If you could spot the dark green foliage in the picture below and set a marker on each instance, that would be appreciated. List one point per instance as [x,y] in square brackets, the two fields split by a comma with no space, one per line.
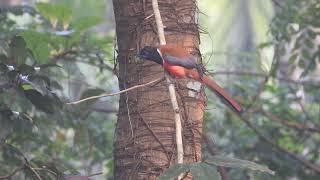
[36,64]
[207,169]
[284,108]
[297,23]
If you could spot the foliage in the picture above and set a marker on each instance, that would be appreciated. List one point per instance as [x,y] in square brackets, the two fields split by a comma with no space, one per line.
[298,24]
[45,53]
[281,98]
[207,169]
[40,136]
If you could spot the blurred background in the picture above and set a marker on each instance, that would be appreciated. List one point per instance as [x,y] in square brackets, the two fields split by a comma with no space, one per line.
[266,53]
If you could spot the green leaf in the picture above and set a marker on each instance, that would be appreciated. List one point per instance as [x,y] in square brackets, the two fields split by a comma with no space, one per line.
[293,58]
[27,87]
[3,58]
[311,34]
[45,9]
[86,22]
[309,43]
[38,43]
[55,13]
[301,63]
[225,161]
[26,69]
[63,12]
[18,50]
[204,171]
[40,83]
[92,92]
[265,44]
[174,171]
[46,103]
[312,65]
[305,54]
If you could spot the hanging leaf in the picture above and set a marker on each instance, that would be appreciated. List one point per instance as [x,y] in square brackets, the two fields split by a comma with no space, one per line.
[199,171]
[56,13]
[293,58]
[18,50]
[204,171]
[47,103]
[65,15]
[301,63]
[38,43]
[46,10]
[174,171]
[86,22]
[225,161]
[25,69]
[265,44]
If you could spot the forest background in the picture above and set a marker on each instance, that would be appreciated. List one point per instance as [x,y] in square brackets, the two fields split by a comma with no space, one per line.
[266,53]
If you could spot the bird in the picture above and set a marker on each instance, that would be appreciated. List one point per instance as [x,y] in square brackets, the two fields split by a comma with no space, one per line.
[181,64]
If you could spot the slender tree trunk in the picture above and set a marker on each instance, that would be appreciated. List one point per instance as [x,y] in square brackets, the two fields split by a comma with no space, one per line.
[145,131]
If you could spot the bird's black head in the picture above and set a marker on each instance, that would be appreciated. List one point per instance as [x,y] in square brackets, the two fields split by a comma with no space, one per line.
[151,54]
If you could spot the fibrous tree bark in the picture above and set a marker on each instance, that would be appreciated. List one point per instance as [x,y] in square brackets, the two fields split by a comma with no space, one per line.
[145,131]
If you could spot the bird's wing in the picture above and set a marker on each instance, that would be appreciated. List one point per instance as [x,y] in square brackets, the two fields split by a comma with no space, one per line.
[188,62]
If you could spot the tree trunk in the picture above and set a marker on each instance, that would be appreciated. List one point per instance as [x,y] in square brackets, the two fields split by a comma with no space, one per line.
[145,131]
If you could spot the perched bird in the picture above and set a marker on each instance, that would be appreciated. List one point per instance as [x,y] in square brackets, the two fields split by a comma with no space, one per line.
[179,63]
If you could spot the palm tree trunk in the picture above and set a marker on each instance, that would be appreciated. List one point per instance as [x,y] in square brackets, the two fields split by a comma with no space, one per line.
[145,132]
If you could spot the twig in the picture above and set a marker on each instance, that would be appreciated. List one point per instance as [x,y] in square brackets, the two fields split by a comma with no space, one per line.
[116,93]
[48,170]
[33,170]
[270,141]
[289,124]
[303,108]
[263,75]
[171,88]
[13,172]
[105,65]
[277,4]
[63,54]
[95,174]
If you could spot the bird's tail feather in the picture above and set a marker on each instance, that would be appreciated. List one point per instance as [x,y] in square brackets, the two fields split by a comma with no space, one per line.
[220,92]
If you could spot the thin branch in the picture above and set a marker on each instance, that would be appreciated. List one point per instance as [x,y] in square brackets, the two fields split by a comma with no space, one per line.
[63,54]
[263,75]
[171,88]
[33,170]
[106,66]
[95,174]
[289,124]
[116,93]
[277,4]
[47,170]
[303,108]
[13,172]
[270,141]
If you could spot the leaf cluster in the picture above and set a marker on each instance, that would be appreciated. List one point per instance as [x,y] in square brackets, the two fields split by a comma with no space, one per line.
[39,135]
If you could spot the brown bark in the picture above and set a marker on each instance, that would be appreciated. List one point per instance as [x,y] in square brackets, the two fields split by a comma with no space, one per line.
[145,134]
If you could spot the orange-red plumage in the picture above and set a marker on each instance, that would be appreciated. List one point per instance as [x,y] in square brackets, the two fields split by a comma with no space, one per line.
[186,70]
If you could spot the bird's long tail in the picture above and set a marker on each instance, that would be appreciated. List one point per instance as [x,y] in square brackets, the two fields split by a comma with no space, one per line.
[221,93]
